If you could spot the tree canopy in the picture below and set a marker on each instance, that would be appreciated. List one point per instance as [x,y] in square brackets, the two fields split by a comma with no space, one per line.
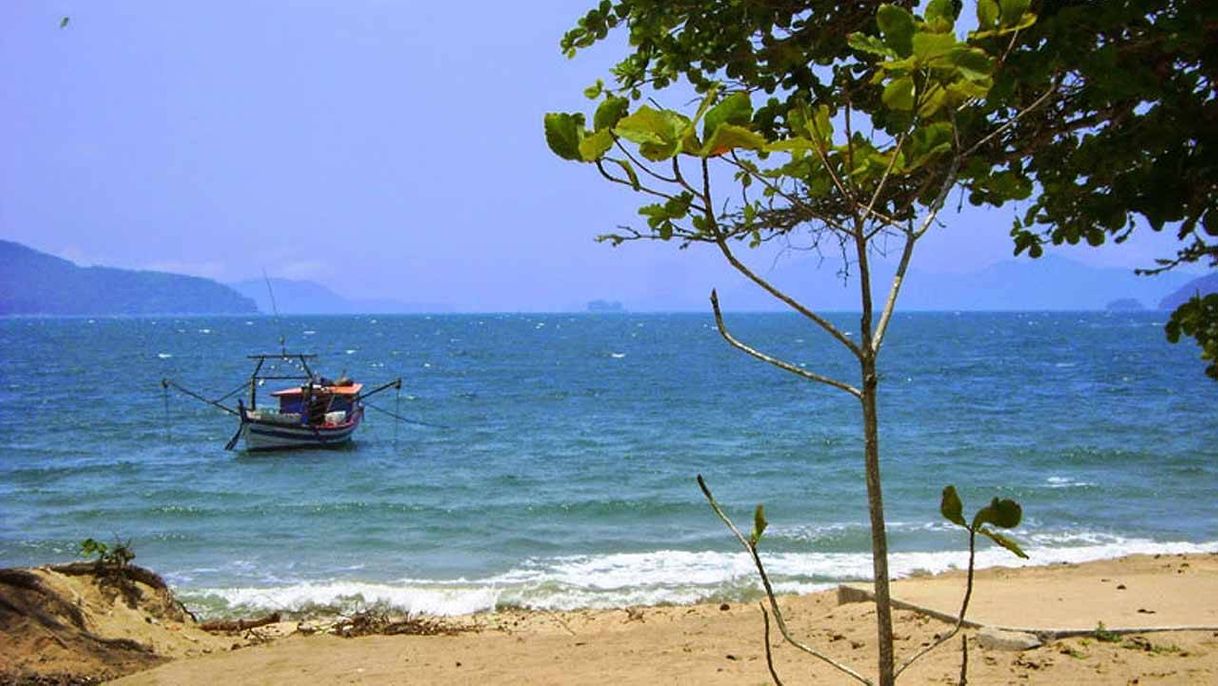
[862,136]
[1126,141]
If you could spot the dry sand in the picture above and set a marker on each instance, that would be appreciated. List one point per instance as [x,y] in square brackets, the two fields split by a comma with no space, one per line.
[67,628]
[710,644]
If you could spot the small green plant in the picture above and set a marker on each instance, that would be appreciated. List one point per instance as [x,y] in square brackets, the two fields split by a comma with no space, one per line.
[1105,636]
[1073,652]
[1001,513]
[117,556]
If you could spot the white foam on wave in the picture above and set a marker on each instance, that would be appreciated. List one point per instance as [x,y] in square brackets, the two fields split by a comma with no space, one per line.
[1067,482]
[414,597]
[658,577]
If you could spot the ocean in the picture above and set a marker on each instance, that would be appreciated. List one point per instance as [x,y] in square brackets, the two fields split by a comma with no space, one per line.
[559,470]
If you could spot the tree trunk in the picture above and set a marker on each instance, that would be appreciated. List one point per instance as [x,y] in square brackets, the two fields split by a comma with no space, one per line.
[879,538]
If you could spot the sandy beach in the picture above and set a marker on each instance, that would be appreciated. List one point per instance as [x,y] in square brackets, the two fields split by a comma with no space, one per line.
[708,643]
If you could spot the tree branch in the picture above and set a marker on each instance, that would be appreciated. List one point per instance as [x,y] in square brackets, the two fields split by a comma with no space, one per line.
[787,366]
[769,654]
[1011,122]
[646,170]
[639,188]
[968,594]
[898,280]
[769,590]
[825,324]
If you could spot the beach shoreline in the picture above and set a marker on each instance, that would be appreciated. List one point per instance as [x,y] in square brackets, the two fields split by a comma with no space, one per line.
[722,642]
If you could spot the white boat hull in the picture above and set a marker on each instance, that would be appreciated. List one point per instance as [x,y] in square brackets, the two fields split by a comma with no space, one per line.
[259,435]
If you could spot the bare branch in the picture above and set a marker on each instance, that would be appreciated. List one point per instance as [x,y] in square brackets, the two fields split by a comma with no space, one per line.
[963,661]
[787,366]
[641,165]
[678,177]
[968,594]
[879,188]
[790,302]
[864,266]
[640,188]
[824,159]
[898,280]
[1011,122]
[794,200]
[769,653]
[769,590]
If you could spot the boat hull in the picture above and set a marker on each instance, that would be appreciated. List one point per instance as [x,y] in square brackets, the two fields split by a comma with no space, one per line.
[262,436]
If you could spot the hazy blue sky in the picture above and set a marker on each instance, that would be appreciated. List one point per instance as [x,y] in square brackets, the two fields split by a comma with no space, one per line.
[382,147]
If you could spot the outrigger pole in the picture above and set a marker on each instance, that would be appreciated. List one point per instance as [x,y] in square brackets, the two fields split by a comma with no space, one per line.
[396,383]
[170,383]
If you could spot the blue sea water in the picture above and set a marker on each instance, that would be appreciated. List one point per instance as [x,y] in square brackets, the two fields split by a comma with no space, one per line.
[564,476]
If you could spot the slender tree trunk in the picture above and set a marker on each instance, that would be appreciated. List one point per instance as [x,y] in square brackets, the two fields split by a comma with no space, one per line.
[879,538]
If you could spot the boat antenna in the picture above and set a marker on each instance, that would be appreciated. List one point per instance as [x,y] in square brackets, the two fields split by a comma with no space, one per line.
[283,345]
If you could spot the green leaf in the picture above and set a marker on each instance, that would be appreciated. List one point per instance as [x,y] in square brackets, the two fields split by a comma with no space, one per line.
[1027,20]
[928,47]
[594,91]
[972,63]
[815,123]
[658,133]
[735,109]
[944,10]
[563,133]
[1004,541]
[987,14]
[730,137]
[964,89]
[933,100]
[795,145]
[595,146]
[1003,513]
[870,45]
[646,125]
[1013,11]
[951,507]
[707,100]
[897,27]
[610,112]
[759,525]
[899,94]
[630,173]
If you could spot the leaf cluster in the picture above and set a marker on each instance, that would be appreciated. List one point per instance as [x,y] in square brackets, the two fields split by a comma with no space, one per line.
[910,78]
[117,556]
[1128,138]
[1002,513]
[1198,318]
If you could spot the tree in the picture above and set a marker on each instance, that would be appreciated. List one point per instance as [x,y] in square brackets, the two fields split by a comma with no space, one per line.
[1130,141]
[875,115]
[1127,141]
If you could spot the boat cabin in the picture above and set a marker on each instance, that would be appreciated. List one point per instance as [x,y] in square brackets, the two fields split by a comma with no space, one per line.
[318,404]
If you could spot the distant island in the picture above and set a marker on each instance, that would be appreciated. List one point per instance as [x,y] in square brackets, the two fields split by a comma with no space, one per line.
[308,297]
[35,283]
[605,306]
[1125,305]
[1203,285]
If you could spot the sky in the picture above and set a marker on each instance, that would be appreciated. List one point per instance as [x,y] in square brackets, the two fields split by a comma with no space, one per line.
[384,148]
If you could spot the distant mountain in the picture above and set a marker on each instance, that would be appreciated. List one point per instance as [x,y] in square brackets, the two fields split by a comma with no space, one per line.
[605,306]
[307,297]
[1048,283]
[1203,285]
[33,282]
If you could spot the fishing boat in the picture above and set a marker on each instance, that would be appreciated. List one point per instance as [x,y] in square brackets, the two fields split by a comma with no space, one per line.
[316,412]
